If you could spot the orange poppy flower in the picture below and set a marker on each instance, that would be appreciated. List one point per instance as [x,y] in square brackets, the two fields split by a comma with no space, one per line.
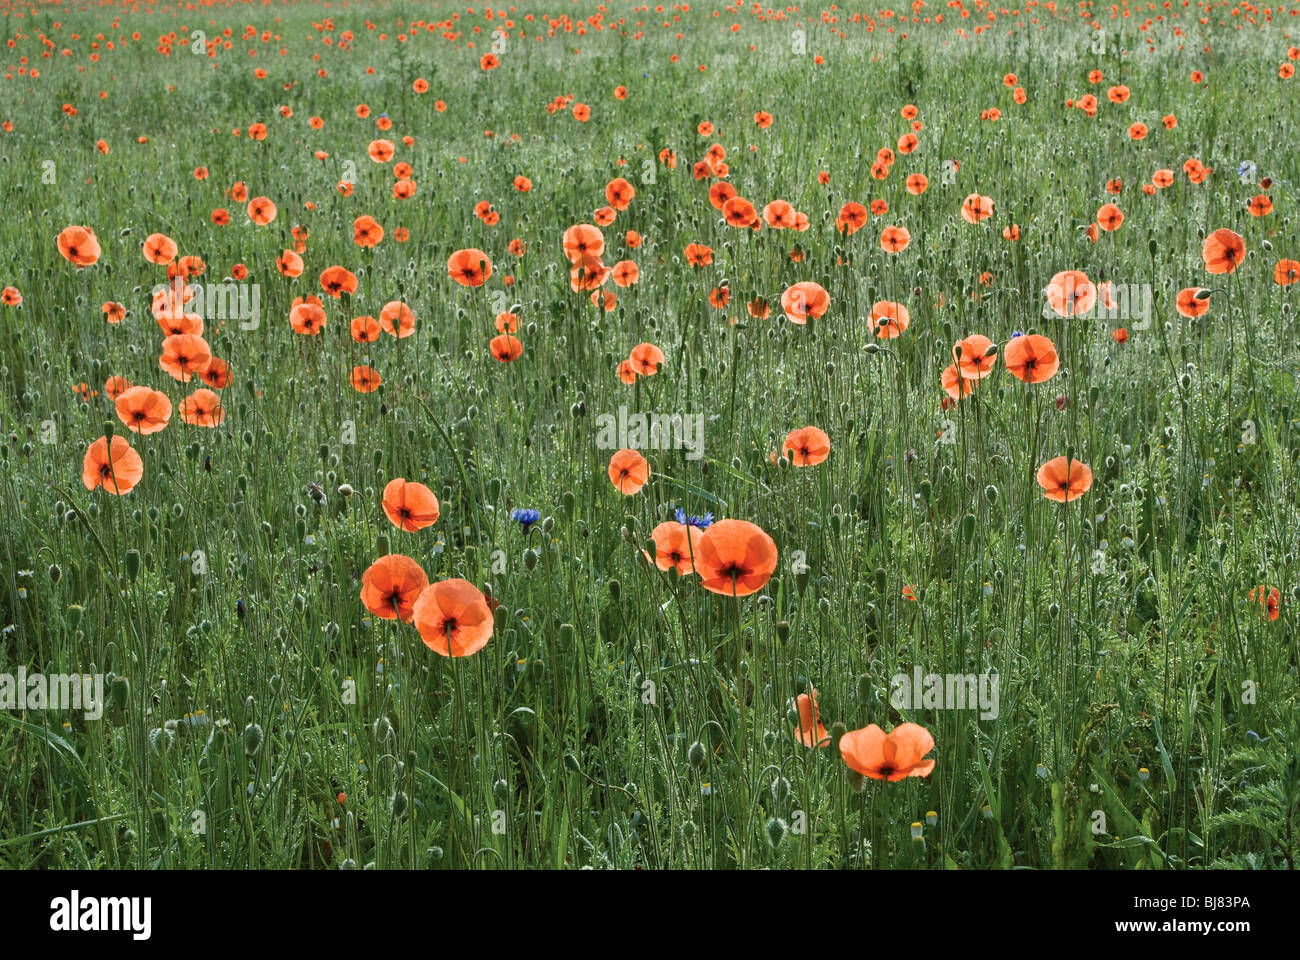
[391,585]
[364,379]
[381,151]
[1109,217]
[307,318]
[453,618]
[626,273]
[202,408]
[646,359]
[619,193]
[1032,358]
[1286,272]
[890,319]
[735,558]
[894,239]
[114,387]
[1269,600]
[779,215]
[720,193]
[216,374]
[811,732]
[628,471]
[1063,480]
[159,248]
[397,319]
[976,208]
[583,240]
[337,281]
[410,506]
[366,231]
[803,300]
[676,546]
[698,255]
[79,246]
[184,355]
[506,348]
[975,356]
[954,384]
[114,312]
[1189,304]
[740,213]
[917,184]
[115,467]
[261,211]
[807,446]
[470,267]
[891,756]
[143,409]
[852,218]
[365,329]
[1070,293]
[1223,251]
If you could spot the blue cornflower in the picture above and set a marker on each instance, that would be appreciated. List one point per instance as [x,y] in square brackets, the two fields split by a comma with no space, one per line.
[703,522]
[526,518]
[1017,333]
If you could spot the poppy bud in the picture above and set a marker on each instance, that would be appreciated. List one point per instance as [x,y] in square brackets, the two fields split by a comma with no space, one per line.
[398,803]
[614,589]
[345,490]
[55,573]
[866,690]
[252,739]
[697,755]
[783,630]
[776,829]
[968,526]
[530,560]
[570,502]
[991,493]
[566,635]
[74,615]
[119,691]
[801,581]
[926,489]
[780,789]
[871,349]
[1151,246]
[108,430]
[881,578]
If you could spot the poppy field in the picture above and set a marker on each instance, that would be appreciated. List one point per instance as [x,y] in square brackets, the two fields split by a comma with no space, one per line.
[608,435]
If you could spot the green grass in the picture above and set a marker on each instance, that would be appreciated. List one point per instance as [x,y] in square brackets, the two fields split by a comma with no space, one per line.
[621,717]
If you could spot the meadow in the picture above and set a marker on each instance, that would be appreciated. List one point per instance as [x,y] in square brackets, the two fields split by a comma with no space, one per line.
[616,436]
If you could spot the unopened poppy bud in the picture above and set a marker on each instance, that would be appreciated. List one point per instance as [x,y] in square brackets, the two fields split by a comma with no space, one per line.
[399,803]
[801,581]
[55,573]
[74,615]
[926,489]
[780,789]
[991,493]
[119,691]
[614,589]
[108,430]
[1203,294]
[866,690]
[345,490]
[871,349]
[1266,244]
[501,790]
[252,739]
[566,635]
[530,560]
[783,630]
[548,525]
[570,502]
[838,729]
[881,579]
[824,605]
[992,350]
[968,526]
[776,830]
[697,755]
